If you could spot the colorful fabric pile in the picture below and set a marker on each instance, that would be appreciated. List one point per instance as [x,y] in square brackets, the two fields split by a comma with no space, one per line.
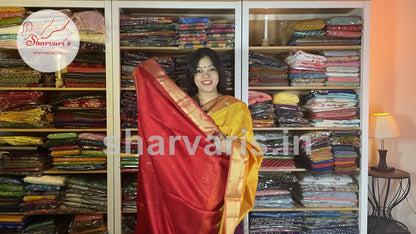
[332,108]
[71,151]
[42,224]
[287,112]
[316,154]
[278,150]
[43,194]
[14,72]
[275,190]
[261,108]
[330,221]
[326,190]
[128,109]
[81,111]
[91,29]
[227,60]
[24,109]
[86,71]
[12,223]
[10,20]
[220,33]
[129,193]
[193,32]
[12,190]
[88,223]
[276,222]
[85,195]
[306,69]
[23,155]
[345,29]
[338,30]
[306,31]
[264,71]
[342,67]
[345,148]
[152,31]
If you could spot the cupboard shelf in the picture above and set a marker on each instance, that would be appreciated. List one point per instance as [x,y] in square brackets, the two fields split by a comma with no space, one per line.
[54,171]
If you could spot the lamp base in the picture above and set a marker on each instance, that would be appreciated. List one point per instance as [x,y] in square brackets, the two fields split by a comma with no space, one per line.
[382,165]
[387,169]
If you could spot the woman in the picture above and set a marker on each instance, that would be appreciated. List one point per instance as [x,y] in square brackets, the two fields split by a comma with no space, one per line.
[202,185]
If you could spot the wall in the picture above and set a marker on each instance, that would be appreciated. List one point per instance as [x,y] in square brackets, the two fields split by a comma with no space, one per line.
[393,89]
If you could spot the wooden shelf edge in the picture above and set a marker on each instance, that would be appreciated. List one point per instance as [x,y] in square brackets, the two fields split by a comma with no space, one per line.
[56,171]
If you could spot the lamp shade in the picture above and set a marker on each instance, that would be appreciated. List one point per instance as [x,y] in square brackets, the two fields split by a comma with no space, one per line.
[383,126]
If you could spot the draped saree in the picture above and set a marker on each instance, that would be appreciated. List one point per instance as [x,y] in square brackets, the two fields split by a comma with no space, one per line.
[185,185]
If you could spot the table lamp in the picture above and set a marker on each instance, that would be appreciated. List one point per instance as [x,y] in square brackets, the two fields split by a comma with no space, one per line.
[383,126]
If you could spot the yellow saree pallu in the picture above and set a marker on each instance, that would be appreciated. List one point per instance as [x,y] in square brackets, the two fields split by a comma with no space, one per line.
[185,185]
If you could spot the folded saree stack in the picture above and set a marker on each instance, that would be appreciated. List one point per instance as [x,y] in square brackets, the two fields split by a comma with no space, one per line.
[338,30]
[278,150]
[91,29]
[81,111]
[148,31]
[10,20]
[330,221]
[306,31]
[275,191]
[128,109]
[306,69]
[24,109]
[193,32]
[264,71]
[88,223]
[261,109]
[40,224]
[326,190]
[345,148]
[332,108]
[12,190]
[71,151]
[23,155]
[129,194]
[15,73]
[342,67]
[43,194]
[287,111]
[220,33]
[316,154]
[10,223]
[276,222]
[85,195]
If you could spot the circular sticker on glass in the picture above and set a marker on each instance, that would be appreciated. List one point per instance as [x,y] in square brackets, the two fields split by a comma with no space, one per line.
[48,40]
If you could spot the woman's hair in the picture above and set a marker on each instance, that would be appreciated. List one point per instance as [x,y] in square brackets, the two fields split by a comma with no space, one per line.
[193,64]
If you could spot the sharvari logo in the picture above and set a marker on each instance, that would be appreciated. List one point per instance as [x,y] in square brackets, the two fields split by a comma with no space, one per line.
[48,40]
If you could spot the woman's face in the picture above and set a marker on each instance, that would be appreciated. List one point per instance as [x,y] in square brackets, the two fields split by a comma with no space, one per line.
[206,77]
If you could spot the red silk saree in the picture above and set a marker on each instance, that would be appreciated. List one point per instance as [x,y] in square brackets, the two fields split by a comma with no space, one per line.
[184,184]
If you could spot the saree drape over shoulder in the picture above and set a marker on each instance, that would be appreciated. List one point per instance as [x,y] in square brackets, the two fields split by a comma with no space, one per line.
[185,185]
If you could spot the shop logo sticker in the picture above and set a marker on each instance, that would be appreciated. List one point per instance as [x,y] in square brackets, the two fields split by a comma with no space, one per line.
[48,40]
